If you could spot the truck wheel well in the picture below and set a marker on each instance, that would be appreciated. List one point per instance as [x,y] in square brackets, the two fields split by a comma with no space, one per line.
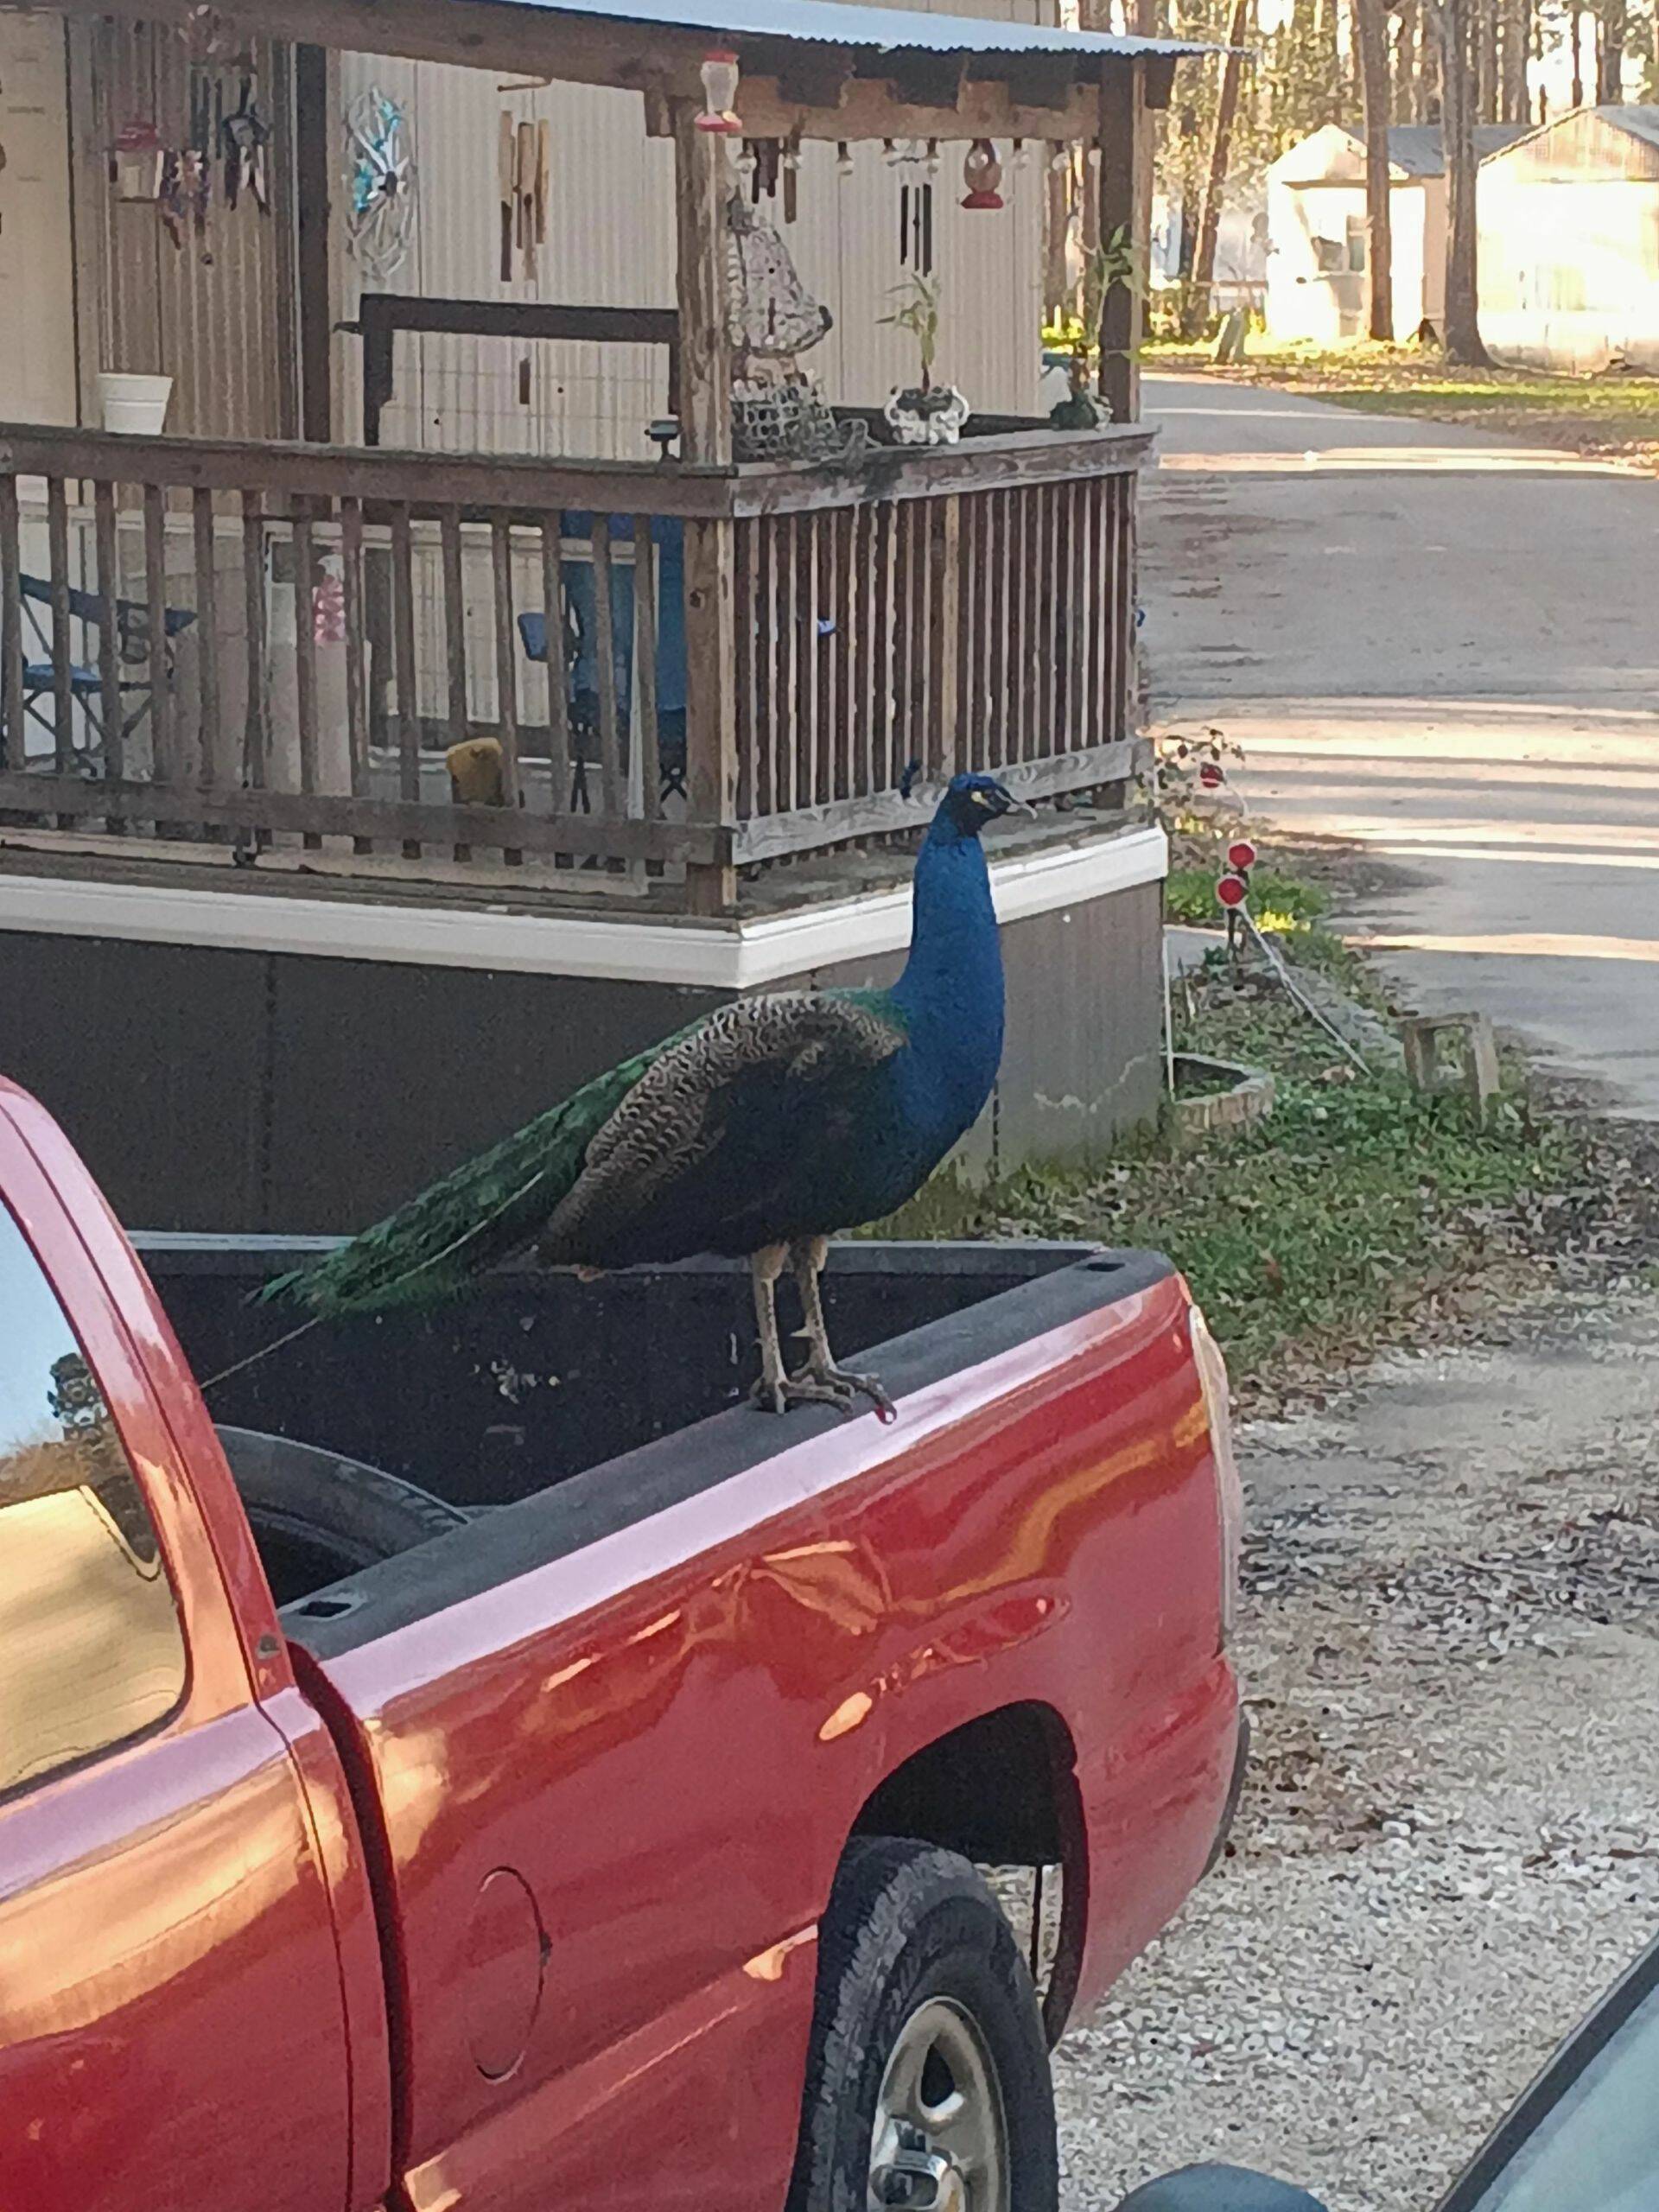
[1002,1791]
[992,1789]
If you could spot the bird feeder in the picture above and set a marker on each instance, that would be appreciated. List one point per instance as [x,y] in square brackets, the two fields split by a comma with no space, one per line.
[981,173]
[720,77]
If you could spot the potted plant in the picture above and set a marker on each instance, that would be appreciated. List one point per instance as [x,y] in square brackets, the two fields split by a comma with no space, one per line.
[1114,262]
[925,413]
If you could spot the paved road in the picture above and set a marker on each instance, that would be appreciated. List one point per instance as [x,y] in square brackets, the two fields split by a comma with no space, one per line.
[1447,646]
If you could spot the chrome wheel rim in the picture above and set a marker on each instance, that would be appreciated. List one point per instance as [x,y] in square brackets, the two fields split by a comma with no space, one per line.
[940,2142]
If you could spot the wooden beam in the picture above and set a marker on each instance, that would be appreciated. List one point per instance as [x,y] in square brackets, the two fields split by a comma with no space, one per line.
[895,473]
[773,836]
[702,187]
[314,115]
[389,820]
[869,111]
[482,34]
[1125,208]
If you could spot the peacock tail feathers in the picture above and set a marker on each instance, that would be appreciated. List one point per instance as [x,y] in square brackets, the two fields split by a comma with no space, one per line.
[433,1249]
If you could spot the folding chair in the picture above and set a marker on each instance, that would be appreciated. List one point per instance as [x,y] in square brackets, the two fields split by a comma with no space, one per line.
[581,650]
[133,650]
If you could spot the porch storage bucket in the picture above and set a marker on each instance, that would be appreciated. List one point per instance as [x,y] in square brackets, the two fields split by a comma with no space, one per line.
[135,405]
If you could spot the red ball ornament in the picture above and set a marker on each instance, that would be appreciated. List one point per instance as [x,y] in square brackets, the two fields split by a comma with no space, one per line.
[1210,775]
[1232,890]
[981,173]
[1241,855]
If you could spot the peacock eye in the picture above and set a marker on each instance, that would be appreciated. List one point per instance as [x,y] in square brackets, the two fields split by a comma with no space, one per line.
[981,798]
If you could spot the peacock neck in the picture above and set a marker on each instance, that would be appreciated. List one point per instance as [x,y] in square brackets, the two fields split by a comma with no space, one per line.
[953,977]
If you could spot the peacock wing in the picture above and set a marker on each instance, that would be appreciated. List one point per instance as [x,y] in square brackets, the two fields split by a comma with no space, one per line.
[802,1045]
[435,1246]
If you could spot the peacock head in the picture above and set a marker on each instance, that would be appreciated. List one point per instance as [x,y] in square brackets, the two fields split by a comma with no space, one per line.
[970,802]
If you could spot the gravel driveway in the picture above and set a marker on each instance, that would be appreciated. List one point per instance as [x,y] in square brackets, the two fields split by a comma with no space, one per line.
[1450,1840]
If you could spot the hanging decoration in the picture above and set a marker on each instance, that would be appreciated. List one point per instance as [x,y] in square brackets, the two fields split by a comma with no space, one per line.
[380,210]
[243,139]
[792,177]
[524,159]
[981,173]
[720,81]
[779,412]
[135,161]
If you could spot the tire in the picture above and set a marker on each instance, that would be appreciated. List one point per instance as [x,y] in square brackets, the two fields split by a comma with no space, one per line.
[318,1516]
[914,1954]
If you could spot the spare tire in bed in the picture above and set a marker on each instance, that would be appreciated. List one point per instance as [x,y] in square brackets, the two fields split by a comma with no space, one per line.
[318,1516]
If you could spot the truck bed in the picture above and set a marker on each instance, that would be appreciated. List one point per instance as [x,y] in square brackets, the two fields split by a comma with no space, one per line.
[584,1408]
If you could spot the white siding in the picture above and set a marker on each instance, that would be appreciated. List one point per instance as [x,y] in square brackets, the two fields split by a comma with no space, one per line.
[611,243]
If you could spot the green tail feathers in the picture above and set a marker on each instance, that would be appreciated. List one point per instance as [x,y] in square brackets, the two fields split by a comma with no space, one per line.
[437,1245]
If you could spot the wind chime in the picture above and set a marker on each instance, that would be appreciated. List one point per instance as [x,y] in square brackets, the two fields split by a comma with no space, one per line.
[526,163]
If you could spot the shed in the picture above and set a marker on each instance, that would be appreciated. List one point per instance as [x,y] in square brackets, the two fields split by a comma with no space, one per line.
[1569,243]
[1316,230]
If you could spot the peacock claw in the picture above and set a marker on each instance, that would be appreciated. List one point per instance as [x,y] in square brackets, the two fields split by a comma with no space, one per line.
[848,1388]
[801,1389]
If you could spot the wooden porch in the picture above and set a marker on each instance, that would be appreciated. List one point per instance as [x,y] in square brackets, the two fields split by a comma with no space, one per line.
[690,669]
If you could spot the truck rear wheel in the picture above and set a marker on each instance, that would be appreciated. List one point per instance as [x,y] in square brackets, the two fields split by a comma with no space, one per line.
[317,1516]
[928,2082]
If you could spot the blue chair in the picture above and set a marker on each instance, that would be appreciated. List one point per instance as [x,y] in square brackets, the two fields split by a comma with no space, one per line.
[134,648]
[580,649]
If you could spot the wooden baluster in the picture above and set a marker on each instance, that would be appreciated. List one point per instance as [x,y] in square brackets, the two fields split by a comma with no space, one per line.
[1016,572]
[357,704]
[1123,605]
[507,669]
[162,716]
[402,651]
[63,659]
[1058,644]
[950,613]
[789,662]
[1007,628]
[1087,613]
[647,757]
[986,751]
[11,628]
[108,586]
[256,735]
[812,751]
[862,599]
[774,663]
[754,777]
[610,774]
[558,701]
[837,713]
[889,765]
[305,655]
[455,635]
[211,738]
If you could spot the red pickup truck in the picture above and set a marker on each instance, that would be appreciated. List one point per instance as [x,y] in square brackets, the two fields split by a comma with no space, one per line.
[523,1783]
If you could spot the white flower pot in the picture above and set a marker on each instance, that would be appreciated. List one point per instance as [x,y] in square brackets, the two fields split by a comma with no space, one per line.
[136,405]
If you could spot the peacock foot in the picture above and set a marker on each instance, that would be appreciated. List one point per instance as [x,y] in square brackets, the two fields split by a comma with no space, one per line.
[847,1387]
[802,1389]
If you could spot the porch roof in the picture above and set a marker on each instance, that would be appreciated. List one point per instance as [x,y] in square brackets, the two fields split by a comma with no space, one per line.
[877,30]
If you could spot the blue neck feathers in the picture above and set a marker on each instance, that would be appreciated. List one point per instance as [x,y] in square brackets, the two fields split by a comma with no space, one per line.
[952,989]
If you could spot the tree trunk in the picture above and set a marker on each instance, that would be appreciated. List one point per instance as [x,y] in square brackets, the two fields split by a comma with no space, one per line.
[1371,37]
[1517,47]
[1404,104]
[1576,21]
[1610,53]
[1458,126]
[1485,14]
[1215,188]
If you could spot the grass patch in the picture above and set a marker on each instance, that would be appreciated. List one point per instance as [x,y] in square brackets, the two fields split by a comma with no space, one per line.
[1278,901]
[1319,1233]
[1614,412]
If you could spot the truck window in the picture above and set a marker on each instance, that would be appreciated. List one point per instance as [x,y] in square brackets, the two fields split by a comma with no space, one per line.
[90,1648]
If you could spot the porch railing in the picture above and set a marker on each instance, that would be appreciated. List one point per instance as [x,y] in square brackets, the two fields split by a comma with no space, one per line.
[275,646]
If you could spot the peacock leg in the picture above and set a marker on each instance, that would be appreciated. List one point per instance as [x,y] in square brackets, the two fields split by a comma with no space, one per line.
[807,1256]
[776,1392]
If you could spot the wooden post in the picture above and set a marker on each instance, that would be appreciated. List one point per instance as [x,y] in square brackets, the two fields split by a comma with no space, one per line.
[314,152]
[1125,208]
[703,183]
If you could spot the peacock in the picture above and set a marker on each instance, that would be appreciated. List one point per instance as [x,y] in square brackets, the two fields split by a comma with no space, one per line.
[759,1132]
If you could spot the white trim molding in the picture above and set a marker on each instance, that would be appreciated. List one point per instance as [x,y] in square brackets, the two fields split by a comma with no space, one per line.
[702,957]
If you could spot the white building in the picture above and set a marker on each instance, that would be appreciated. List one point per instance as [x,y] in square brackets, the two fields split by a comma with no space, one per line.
[1316,231]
